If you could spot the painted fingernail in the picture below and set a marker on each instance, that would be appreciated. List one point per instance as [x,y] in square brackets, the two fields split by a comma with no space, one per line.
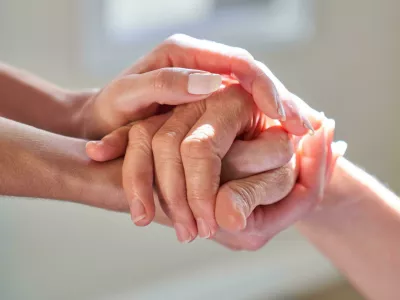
[281,112]
[203,83]
[138,211]
[278,103]
[307,125]
[203,228]
[339,147]
[182,233]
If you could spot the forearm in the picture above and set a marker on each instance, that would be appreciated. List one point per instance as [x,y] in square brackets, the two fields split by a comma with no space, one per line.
[28,99]
[36,163]
[358,229]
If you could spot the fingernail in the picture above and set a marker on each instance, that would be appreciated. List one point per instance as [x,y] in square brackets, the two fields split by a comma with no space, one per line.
[203,228]
[93,143]
[182,233]
[307,124]
[339,147]
[242,217]
[138,211]
[278,103]
[203,83]
[281,112]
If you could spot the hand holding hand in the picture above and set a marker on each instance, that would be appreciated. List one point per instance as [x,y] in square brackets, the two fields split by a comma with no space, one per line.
[168,75]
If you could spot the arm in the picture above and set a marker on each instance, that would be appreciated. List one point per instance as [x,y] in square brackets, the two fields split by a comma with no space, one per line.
[28,99]
[358,228]
[36,163]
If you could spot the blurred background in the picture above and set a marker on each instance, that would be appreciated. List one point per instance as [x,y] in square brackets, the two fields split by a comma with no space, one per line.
[340,56]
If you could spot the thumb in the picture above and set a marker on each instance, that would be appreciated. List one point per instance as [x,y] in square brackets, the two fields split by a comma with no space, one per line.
[237,199]
[171,86]
[138,96]
[110,147]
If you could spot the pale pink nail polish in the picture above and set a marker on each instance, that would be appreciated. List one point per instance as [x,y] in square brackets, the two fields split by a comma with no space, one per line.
[278,103]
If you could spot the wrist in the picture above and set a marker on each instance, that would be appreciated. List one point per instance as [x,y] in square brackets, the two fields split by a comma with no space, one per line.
[82,112]
[99,184]
[346,188]
[78,179]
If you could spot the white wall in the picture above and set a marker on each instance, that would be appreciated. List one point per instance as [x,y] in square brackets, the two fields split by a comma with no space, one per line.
[64,251]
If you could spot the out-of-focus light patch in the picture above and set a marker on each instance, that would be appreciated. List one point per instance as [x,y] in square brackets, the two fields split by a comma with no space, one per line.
[122,17]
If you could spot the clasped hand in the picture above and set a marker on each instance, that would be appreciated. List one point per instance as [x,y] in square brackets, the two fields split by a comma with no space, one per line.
[214,149]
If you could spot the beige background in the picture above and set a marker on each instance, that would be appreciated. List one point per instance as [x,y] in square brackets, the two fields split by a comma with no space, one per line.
[64,251]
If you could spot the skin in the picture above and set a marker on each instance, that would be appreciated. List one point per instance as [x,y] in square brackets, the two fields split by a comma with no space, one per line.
[357,214]
[128,97]
[56,167]
[188,147]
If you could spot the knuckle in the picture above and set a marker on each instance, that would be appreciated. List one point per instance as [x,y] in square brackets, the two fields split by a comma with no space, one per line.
[163,80]
[237,97]
[140,130]
[176,203]
[245,194]
[284,179]
[140,137]
[200,146]
[165,139]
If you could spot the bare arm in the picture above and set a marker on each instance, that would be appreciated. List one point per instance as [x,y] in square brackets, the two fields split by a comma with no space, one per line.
[28,99]
[37,163]
[358,229]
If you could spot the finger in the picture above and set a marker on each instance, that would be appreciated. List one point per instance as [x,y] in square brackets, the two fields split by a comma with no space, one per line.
[110,147]
[330,132]
[172,86]
[305,195]
[137,169]
[237,199]
[206,144]
[269,150]
[268,92]
[169,173]
[309,117]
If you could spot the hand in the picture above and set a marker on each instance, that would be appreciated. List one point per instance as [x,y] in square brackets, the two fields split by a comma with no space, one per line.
[317,159]
[154,80]
[188,146]
[265,221]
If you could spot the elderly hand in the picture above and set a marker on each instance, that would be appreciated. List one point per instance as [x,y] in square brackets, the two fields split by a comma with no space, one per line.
[189,147]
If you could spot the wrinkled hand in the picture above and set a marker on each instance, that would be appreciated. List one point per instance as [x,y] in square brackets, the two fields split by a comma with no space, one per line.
[158,79]
[265,221]
[317,157]
[189,146]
